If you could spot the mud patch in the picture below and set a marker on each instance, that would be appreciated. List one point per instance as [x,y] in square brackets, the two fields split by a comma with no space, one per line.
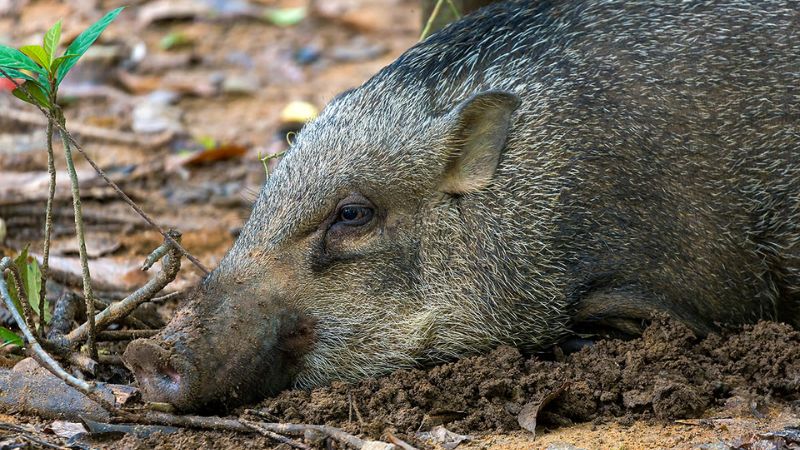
[666,374]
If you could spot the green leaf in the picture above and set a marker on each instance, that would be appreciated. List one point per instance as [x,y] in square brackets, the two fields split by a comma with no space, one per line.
[17,74]
[19,262]
[61,60]
[9,337]
[37,53]
[44,84]
[36,91]
[51,39]
[174,40]
[15,59]
[85,40]
[207,142]
[32,277]
[12,290]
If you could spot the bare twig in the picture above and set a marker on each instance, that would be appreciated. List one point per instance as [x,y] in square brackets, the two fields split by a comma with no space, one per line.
[168,297]
[125,335]
[266,159]
[248,426]
[88,294]
[170,265]
[41,356]
[130,320]
[48,225]
[272,435]
[135,207]
[155,256]
[65,312]
[67,136]
[201,422]
[336,434]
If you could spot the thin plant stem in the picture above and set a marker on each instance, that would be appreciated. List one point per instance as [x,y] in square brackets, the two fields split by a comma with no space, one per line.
[453,8]
[133,204]
[88,295]
[429,24]
[48,225]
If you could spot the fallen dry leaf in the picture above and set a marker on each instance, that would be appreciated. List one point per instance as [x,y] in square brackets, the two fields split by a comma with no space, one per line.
[124,393]
[444,437]
[218,153]
[527,416]
[64,429]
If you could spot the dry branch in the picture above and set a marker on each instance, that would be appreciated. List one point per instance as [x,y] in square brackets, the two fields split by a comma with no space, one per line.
[272,435]
[336,434]
[248,426]
[125,335]
[170,265]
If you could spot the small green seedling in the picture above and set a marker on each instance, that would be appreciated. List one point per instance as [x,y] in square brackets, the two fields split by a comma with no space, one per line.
[42,71]
[39,66]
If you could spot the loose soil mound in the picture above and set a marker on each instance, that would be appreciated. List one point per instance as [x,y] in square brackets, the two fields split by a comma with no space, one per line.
[668,373]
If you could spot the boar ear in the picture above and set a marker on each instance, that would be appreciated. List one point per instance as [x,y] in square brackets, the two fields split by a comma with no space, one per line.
[479,127]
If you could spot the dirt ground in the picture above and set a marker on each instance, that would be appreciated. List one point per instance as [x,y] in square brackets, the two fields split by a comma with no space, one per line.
[668,389]
[229,78]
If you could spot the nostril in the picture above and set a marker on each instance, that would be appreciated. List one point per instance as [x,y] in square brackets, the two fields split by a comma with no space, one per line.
[151,364]
[173,374]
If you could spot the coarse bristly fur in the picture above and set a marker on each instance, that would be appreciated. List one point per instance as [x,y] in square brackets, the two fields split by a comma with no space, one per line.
[652,166]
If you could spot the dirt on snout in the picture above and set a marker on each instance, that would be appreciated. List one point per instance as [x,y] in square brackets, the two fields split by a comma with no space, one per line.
[642,386]
[666,374]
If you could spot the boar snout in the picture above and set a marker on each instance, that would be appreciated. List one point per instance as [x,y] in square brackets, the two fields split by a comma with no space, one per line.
[163,375]
[205,362]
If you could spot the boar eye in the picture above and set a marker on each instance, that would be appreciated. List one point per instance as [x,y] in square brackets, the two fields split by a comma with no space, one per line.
[354,215]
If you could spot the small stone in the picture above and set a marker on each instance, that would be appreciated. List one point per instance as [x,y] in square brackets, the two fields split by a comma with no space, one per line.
[241,84]
[561,446]
[155,114]
[298,112]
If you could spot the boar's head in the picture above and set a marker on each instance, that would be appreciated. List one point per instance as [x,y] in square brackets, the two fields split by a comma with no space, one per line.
[354,262]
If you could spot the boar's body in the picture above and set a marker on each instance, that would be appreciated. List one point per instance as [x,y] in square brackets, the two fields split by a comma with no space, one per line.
[532,170]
